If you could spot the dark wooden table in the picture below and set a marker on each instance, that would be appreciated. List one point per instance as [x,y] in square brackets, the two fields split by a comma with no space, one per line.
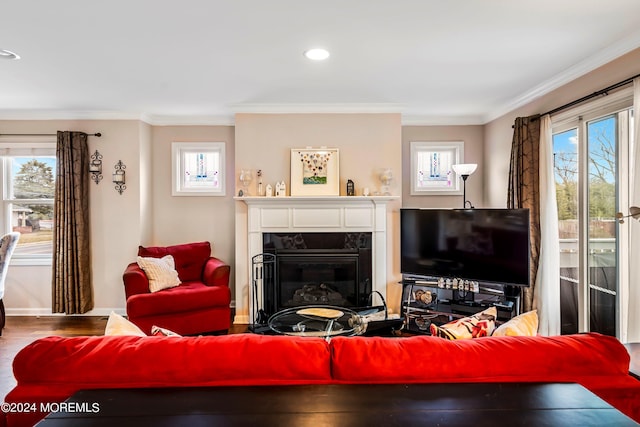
[477,405]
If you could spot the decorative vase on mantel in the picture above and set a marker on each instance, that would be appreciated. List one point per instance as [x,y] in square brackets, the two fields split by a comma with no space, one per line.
[245,178]
[385,178]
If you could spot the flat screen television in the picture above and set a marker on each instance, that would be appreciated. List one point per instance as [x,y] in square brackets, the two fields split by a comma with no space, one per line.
[485,245]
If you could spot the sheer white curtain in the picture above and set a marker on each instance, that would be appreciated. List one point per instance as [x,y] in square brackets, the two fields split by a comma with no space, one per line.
[546,298]
[630,325]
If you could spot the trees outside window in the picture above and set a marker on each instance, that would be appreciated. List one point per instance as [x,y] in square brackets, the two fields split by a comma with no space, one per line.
[28,204]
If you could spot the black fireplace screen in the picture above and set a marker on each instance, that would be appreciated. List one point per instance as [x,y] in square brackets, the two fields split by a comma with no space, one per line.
[318,268]
[317,279]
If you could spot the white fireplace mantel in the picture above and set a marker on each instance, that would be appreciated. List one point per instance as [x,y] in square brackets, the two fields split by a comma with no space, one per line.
[322,214]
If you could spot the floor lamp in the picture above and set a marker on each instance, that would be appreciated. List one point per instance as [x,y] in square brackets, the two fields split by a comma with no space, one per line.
[464,170]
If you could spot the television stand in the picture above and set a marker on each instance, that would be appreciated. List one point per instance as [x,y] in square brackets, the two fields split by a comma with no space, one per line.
[424,302]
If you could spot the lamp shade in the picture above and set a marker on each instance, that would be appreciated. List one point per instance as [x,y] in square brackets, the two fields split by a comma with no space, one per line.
[464,168]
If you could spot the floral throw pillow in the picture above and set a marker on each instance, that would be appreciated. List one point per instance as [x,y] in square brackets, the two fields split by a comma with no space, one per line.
[479,325]
[157,331]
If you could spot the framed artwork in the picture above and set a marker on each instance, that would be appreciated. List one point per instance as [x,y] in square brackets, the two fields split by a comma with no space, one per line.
[197,168]
[315,172]
[431,167]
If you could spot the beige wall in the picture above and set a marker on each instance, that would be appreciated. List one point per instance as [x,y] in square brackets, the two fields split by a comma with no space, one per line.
[473,153]
[182,219]
[145,174]
[366,143]
[114,235]
[498,133]
[145,213]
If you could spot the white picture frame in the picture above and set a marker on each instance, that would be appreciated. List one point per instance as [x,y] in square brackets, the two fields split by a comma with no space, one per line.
[198,169]
[315,172]
[431,168]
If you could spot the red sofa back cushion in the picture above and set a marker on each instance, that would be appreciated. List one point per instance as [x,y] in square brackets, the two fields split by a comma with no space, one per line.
[567,358]
[52,369]
[127,361]
[189,257]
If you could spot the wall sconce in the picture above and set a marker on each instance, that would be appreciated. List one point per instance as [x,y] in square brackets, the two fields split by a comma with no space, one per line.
[95,167]
[634,212]
[118,176]
[464,170]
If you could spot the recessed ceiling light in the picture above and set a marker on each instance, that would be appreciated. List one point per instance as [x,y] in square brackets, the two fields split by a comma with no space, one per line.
[317,54]
[7,54]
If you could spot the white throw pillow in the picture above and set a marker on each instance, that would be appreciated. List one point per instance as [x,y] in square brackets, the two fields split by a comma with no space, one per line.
[118,325]
[161,272]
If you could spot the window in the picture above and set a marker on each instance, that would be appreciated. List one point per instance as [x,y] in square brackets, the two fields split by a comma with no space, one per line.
[591,146]
[28,176]
[198,169]
[431,167]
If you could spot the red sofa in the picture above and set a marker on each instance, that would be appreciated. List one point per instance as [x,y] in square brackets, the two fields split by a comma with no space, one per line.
[52,369]
[200,304]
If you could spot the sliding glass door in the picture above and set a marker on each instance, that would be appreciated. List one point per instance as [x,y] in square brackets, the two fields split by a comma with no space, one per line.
[601,207]
[565,161]
[590,155]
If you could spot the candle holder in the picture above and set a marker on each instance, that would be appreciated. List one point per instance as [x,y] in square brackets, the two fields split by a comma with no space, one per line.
[118,177]
[259,174]
[95,167]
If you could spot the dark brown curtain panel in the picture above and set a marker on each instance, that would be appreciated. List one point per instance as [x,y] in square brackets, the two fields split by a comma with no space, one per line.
[524,189]
[72,287]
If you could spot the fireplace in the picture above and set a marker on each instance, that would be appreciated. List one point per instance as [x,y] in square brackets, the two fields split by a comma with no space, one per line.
[318,268]
[292,216]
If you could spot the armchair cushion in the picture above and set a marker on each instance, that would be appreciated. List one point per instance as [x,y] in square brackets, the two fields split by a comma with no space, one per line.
[189,296]
[189,257]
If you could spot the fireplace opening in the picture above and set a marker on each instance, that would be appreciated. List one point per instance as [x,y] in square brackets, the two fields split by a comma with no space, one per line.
[318,269]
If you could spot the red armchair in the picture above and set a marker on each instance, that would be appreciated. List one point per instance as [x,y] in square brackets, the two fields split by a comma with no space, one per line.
[200,304]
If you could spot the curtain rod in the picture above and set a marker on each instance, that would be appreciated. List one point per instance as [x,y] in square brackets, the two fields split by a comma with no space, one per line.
[98,134]
[593,95]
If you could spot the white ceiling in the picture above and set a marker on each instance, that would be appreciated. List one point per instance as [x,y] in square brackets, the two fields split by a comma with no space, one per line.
[202,61]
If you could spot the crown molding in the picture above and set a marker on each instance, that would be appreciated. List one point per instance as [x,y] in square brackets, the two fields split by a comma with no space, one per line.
[603,57]
[432,120]
[151,119]
[200,120]
[65,115]
[320,108]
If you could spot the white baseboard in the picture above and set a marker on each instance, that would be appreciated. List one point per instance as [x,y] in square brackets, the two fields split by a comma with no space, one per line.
[241,319]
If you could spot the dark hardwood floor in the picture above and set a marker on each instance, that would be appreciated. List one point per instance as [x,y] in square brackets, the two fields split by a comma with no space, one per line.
[22,330]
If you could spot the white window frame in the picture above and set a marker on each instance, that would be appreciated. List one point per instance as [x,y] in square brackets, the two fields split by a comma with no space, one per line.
[15,148]
[427,187]
[178,152]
